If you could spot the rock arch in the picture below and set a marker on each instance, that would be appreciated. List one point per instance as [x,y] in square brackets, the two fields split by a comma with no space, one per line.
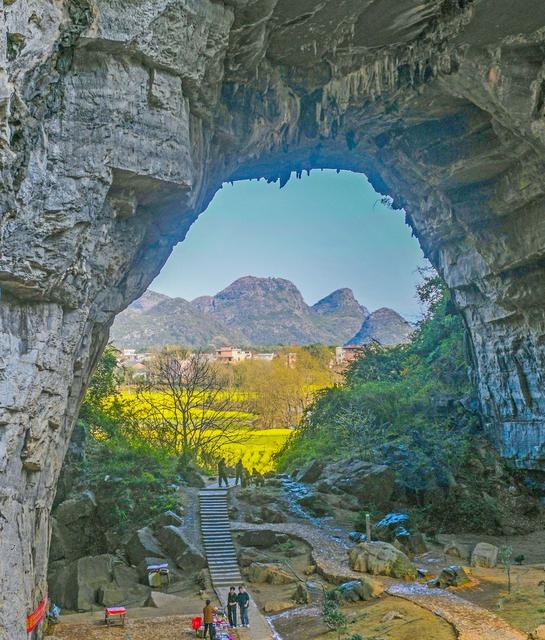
[120,120]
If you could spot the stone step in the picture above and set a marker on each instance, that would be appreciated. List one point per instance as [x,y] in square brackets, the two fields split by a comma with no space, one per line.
[224,572]
[224,522]
[219,540]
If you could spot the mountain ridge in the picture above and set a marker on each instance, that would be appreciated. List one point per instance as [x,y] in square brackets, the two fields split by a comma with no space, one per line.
[251,311]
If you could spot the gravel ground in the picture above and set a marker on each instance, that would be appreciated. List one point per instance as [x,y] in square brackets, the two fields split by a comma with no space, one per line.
[160,628]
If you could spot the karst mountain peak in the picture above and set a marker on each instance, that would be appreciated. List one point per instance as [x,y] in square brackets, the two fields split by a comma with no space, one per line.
[251,310]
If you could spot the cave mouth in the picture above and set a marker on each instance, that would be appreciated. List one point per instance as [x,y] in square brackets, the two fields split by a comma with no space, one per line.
[323,231]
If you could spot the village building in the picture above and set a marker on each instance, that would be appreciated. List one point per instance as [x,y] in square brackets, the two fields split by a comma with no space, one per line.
[232,355]
[267,357]
[346,354]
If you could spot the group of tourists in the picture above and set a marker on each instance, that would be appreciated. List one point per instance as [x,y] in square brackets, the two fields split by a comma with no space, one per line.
[240,601]
[242,475]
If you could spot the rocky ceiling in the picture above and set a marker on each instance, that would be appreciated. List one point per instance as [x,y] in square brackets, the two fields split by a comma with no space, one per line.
[119,120]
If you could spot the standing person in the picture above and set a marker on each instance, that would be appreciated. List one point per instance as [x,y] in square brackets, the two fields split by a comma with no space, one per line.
[208,619]
[222,473]
[239,471]
[243,600]
[232,602]
[257,478]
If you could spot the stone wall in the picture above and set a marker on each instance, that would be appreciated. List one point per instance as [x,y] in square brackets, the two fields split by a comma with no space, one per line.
[120,120]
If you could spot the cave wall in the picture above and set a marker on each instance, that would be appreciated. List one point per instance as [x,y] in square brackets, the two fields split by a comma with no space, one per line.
[119,120]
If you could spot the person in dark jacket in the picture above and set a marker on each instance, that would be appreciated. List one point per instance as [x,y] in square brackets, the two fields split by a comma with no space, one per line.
[243,600]
[239,472]
[222,473]
[232,602]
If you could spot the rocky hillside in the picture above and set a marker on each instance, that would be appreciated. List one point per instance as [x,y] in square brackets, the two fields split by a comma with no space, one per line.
[384,326]
[250,311]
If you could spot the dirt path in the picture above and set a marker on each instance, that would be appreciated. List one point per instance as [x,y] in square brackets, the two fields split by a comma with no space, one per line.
[470,621]
[328,553]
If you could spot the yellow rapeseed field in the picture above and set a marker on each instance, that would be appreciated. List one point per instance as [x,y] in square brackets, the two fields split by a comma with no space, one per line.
[257,446]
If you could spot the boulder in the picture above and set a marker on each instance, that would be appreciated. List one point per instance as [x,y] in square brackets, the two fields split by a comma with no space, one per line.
[344,501]
[393,526]
[368,482]
[172,539]
[302,595]
[269,573]
[74,528]
[91,574]
[311,472]
[451,576]
[455,550]
[273,514]
[259,539]
[316,504]
[415,544]
[259,496]
[357,536]
[88,582]
[233,512]
[167,518]
[143,544]
[538,633]
[357,590]
[112,595]
[253,518]
[381,558]
[250,555]
[273,606]
[484,555]
[160,600]
[192,477]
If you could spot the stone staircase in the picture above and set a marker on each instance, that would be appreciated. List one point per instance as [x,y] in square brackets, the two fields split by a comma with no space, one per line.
[222,558]
[217,539]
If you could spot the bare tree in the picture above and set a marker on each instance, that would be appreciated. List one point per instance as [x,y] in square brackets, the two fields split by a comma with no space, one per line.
[185,406]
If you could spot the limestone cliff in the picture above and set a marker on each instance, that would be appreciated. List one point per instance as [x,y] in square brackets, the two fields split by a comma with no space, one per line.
[119,121]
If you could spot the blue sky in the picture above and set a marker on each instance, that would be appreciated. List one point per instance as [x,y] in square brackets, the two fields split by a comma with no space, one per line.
[322,232]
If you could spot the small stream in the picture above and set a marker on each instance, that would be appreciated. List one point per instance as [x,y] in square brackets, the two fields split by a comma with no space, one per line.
[295,617]
[294,491]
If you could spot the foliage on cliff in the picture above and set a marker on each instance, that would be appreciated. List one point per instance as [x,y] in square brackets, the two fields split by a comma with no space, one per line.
[131,481]
[412,396]
[413,408]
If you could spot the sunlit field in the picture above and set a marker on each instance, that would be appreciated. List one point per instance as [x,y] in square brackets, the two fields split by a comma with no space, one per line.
[258,451]
[256,447]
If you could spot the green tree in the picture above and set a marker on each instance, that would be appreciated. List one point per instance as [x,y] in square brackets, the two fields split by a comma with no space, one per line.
[184,407]
[101,411]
